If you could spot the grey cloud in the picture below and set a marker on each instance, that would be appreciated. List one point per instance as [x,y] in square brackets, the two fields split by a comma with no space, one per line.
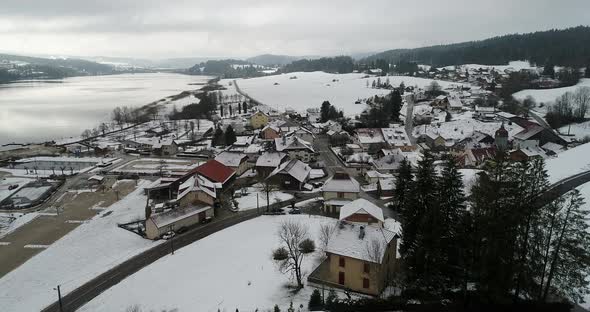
[175,28]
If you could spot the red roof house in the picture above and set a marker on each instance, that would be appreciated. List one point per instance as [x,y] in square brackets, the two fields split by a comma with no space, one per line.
[215,171]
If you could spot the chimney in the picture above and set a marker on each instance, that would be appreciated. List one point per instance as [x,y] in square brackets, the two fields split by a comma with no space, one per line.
[362,232]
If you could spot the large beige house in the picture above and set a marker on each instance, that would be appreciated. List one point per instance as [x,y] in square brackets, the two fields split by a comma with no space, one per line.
[174,219]
[259,120]
[338,191]
[359,258]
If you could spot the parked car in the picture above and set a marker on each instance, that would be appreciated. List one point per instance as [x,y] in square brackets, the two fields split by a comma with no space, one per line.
[12,187]
[168,235]
[295,211]
[182,230]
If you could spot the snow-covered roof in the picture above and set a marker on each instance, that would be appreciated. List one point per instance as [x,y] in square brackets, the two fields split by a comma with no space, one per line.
[396,136]
[272,127]
[464,128]
[231,159]
[96,178]
[377,174]
[554,147]
[341,182]
[270,159]
[295,168]
[361,206]
[370,246]
[387,184]
[292,143]
[528,132]
[170,217]
[369,135]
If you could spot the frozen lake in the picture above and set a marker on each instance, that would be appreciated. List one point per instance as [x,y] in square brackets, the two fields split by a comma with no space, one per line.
[33,111]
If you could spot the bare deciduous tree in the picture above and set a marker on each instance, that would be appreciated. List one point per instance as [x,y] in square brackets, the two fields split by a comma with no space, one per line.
[296,245]
[326,231]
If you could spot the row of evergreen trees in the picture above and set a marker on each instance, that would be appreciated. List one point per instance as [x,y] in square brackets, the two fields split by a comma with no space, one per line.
[499,239]
[224,138]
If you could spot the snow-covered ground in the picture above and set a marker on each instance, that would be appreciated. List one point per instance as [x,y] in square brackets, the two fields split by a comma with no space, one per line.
[469,179]
[577,130]
[231,269]
[568,163]
[81,255]
[9,222]
[548,96]
[310,89]
[248,202]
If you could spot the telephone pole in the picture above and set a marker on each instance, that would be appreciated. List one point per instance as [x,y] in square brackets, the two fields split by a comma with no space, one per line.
[61,309]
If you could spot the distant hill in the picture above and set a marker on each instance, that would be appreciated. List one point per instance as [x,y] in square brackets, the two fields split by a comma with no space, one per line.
[568,47]
[83,67]
[276,60]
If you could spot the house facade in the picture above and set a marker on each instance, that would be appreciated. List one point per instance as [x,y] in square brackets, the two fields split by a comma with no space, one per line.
[258,120]
[338,191]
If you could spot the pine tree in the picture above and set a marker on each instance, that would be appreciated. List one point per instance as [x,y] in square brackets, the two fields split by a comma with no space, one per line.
[230,135]
[221,110]
[402,183]
[325,111]
[396,104]
[419,211]
[568,266]
[231,110]
[549,69]
[451,206]
[374,84]
[315,301]
[218,137]
[239,108]
[245,107]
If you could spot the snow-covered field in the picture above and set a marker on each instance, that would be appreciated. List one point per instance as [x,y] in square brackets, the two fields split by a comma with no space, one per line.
[81,255]
[228,270]
[548,96]
[568,163]
[248,202]
[310,89]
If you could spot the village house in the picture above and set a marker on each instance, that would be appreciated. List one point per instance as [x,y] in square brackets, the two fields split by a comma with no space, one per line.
[373,176]
[537,133]
[338,191]
[370,139]
[172,220]
[527,150]
[165,147]
[478,139]
[484,113]
[433,141]
[302,133]
[270,132]
[286,125]
[216,172]
[313,115]
[359,258]
[386,187]
[476,157]
[396,137]
[268,162]
[236,161]
[291,175]
[362,211]
[258,120]
[296,148]
[441,101]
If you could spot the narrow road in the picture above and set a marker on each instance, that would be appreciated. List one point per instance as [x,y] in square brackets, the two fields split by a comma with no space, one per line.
[82,295]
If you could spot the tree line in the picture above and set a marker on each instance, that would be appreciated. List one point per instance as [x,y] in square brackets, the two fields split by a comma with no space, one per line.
[499,241]
[338,64]
[568,47]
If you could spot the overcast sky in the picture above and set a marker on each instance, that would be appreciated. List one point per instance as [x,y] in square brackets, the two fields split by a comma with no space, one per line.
[242,28]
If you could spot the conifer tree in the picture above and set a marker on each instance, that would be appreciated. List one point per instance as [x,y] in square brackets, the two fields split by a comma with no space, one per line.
[230,135]
[402,183]
[218,137]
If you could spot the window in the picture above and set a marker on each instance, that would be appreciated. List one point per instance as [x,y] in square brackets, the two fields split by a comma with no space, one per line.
[365,283]
[340,195]
[341,278]
[366,268]
[341,262]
